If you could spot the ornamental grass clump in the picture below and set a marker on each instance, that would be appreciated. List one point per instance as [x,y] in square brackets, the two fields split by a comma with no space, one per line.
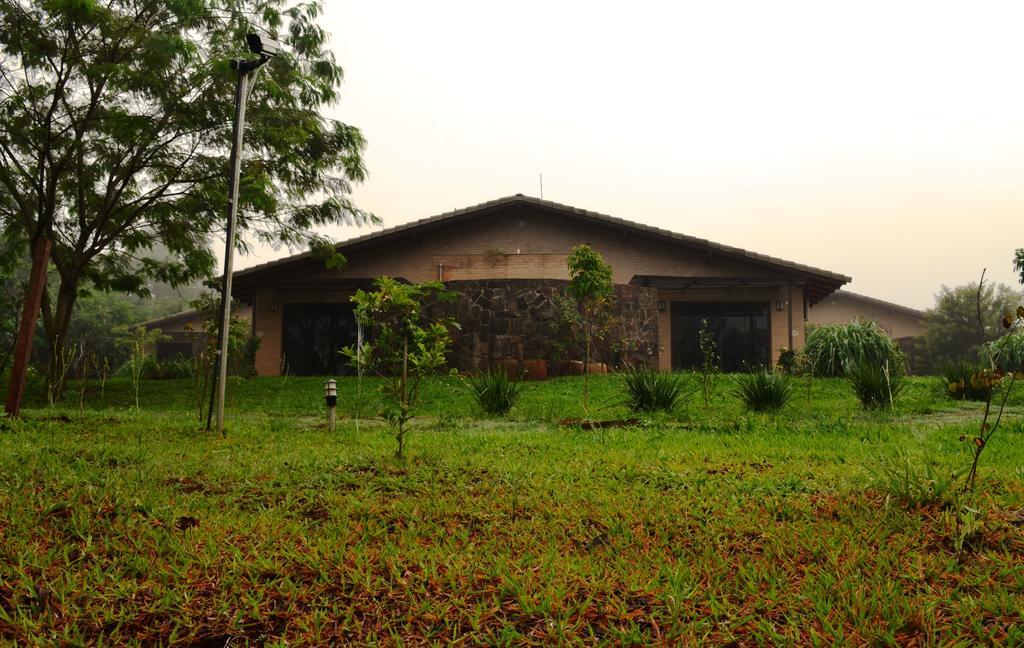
[764,391]
[494,391]
[1008,351]
[839,348]
[877,387]
[648,390]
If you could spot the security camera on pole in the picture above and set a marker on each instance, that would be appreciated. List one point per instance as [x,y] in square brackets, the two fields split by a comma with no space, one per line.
[266,48]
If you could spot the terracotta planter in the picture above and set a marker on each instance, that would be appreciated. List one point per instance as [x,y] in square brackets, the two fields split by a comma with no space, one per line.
[597,368]
[510,367]
[570,368]
[535,370]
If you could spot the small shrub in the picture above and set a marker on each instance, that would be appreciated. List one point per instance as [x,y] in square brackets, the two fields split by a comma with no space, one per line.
[875,386]
[147,372]
[803,366]
[408,345]
[649,390]
[838,348]
[494,391]
[177,367]
[959,379]
[764,391]
[1008,351]
[787,361]
[709,365]
[138,341]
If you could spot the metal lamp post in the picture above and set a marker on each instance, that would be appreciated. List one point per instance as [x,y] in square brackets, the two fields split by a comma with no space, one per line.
[266,48]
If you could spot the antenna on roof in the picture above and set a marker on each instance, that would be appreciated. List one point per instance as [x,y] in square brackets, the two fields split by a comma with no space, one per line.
[542,186]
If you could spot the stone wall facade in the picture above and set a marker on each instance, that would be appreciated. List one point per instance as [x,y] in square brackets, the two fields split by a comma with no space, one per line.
[522,319]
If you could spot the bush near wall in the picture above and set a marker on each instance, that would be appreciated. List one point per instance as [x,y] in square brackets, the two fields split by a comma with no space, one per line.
[838,348]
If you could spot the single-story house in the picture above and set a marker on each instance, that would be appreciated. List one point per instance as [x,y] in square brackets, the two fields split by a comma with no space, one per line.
[507,260]
[842,306]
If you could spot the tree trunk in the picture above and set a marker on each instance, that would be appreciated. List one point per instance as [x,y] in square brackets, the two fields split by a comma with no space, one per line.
[56,321]
[34,292]
[586,365]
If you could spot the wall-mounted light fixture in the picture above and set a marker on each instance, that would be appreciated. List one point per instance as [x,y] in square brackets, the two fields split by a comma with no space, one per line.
[780,305]
[662,306]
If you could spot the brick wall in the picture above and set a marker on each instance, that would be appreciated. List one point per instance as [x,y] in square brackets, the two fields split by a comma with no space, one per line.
[517,318]
[841,307]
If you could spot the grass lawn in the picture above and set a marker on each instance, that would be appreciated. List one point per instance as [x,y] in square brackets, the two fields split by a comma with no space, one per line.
[714,526]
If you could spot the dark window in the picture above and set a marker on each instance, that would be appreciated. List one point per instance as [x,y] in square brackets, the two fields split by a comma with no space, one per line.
[739,328]
[313,336]
[170,350]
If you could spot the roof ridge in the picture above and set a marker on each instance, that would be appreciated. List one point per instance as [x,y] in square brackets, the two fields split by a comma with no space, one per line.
[519,197]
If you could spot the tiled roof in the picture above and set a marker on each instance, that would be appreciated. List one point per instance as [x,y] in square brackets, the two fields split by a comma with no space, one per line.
[879,302]
[583,214]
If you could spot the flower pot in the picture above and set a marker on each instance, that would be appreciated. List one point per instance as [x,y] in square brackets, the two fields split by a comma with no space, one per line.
[570,368]
[597,368]
[535,370]
[509,366]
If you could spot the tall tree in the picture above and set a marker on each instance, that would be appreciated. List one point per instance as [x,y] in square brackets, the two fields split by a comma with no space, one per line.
[115,126]
[951,327]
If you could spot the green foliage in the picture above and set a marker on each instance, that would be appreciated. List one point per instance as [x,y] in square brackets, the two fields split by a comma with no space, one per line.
[876,386]
[1008,351]
[1018,263]
[13,273]
[731,513]
[98,313]
[803,366]
[590,278]
[764,391]
[564,327]
[407,345]
[992,379]
[838,348]
[495,392]
[915,486]
[649,390]
[966,527]
[590,284]
[174,368]
[959,382]
[709,360]
[152,369]
[787,361]
[952,331]
[139,341]
[242,343]
[132,104]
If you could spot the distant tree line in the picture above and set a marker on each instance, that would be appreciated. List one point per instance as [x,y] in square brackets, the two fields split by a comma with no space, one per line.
[963,319]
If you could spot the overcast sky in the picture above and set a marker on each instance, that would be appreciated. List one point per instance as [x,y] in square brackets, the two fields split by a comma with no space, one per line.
[883,140]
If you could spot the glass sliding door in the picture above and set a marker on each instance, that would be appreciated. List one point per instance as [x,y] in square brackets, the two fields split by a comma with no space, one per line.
[741,330]
[313,334]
